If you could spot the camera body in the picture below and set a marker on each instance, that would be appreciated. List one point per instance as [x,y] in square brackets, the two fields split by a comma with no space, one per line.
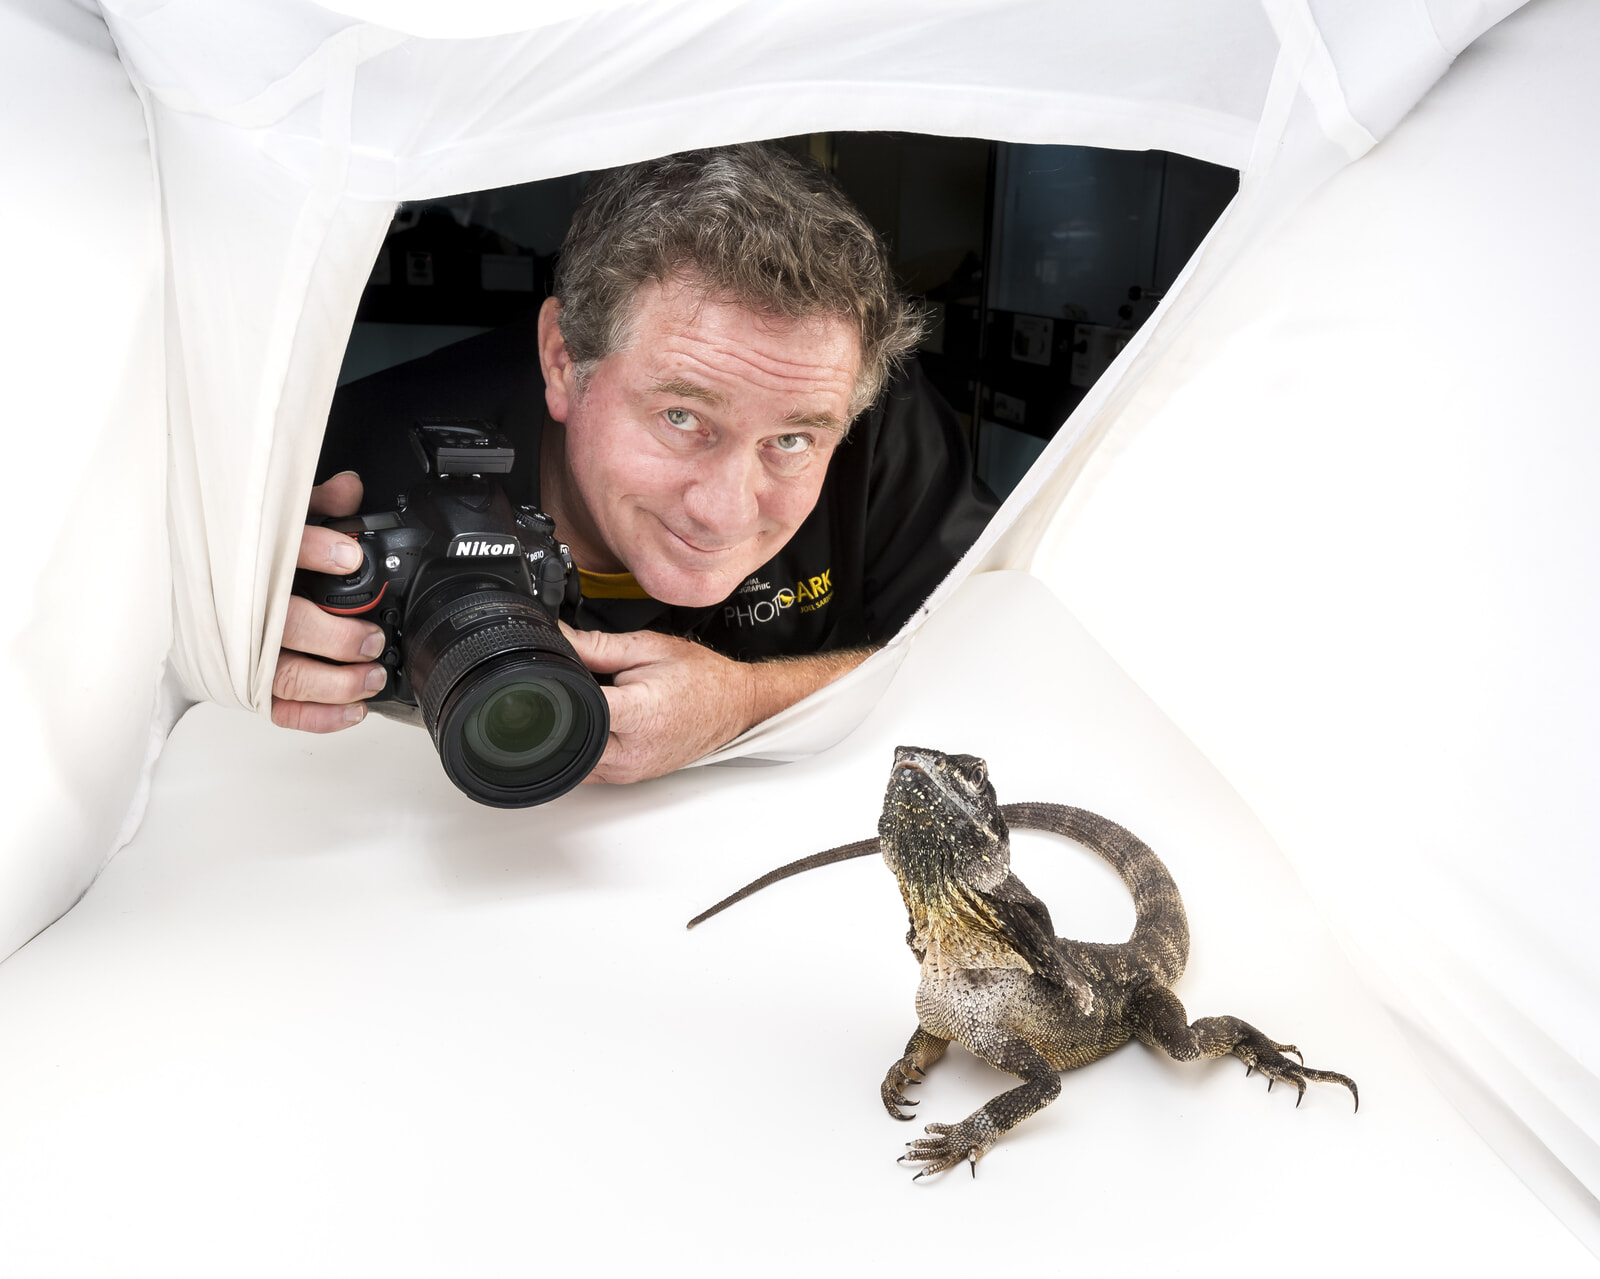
[468,588]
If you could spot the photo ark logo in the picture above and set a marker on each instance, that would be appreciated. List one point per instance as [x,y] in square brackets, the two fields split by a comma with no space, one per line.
[808,594]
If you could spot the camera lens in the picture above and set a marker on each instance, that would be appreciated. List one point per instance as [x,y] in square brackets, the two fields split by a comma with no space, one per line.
[520,724]
[515,716]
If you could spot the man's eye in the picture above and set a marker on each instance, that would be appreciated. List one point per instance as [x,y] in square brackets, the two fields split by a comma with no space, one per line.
[792,443]
[680,418]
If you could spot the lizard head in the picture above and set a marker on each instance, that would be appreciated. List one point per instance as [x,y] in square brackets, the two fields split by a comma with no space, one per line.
[945,839]
[941,822]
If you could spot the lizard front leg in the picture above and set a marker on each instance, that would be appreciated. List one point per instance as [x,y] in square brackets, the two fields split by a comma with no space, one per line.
[922,1051]
[1156,1018]
[975,1135]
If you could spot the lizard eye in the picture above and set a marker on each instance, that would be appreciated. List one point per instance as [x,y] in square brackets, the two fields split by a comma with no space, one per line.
[979,775]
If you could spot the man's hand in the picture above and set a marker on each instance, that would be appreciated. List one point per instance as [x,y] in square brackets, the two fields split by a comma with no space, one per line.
[311,694]
[673,701]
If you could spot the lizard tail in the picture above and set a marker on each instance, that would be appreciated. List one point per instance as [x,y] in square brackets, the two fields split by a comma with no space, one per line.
[843,853]
[1162,928]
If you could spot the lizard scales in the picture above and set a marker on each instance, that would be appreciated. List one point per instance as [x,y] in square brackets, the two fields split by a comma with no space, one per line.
[994,976]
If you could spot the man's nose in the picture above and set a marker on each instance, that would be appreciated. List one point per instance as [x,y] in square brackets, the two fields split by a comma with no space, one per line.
[721,497]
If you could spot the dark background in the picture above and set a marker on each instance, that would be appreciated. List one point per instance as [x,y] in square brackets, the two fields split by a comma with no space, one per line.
[1037,264]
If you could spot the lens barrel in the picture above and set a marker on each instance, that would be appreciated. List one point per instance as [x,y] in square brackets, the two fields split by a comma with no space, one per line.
[515,716]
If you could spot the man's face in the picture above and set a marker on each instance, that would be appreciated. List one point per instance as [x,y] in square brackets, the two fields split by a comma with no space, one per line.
[695,453]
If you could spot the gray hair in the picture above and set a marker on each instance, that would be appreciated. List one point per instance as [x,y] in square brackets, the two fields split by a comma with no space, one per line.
[749,223]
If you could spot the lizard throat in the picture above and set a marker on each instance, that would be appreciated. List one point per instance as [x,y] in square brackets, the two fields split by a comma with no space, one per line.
[955,928]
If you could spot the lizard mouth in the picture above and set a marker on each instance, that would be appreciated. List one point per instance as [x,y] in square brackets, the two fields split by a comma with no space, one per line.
[912,762]
[914,759]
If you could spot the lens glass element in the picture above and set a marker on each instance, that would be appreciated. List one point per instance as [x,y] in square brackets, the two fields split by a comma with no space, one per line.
[519,725]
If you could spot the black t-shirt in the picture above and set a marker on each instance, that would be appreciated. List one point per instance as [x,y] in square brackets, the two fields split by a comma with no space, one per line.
[898,508]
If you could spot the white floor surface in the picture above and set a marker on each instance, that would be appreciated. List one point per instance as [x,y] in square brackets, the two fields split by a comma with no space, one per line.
[325,1016]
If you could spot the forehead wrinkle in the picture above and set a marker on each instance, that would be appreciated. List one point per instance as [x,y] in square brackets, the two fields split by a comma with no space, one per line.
[766,366]
[725,354]
[815,376]
[682,302]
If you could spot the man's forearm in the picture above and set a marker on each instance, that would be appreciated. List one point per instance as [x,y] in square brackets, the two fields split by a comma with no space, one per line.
[778,683]
[674,701]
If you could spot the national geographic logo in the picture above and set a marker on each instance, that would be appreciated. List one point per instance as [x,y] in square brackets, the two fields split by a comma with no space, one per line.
[808,594]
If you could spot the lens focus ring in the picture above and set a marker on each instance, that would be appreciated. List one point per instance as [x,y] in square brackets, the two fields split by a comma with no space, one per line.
[510,623]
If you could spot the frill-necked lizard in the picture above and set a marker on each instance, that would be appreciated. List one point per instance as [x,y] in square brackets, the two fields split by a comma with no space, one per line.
[995,977]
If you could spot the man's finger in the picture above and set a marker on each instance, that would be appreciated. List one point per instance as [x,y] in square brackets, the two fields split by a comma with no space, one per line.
[338,495]
[304,679]
[308,629]
[628,706]
[606,654]
[311,717]
[618,766]
[324,551]
[600,774]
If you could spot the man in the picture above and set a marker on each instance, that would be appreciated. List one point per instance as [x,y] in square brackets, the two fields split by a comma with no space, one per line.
[683,408]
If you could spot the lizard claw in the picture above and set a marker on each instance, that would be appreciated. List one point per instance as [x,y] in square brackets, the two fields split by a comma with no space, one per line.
[901,1076]
[951,1144]
[893,1099]
[1260,1053]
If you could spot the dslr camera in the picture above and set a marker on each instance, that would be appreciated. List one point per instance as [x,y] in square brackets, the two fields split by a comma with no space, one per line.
[467,588]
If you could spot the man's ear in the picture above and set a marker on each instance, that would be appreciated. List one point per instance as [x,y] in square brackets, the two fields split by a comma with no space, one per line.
[560,381]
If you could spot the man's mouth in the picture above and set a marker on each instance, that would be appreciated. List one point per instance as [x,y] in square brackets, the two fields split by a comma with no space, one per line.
[697,547]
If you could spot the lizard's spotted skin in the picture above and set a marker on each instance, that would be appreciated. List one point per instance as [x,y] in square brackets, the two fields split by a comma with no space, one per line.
[995,977]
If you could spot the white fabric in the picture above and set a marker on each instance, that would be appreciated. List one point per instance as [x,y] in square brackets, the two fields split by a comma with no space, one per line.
[327,1017]
[1346,537]
[85,621]
[1366,652]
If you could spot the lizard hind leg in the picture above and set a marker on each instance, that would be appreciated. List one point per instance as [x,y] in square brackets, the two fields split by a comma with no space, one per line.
[1156,1018]
[921,1052]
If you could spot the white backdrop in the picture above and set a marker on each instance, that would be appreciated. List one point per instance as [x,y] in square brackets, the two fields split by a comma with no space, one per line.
[86,617]
[1329,510]
[1346,536]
